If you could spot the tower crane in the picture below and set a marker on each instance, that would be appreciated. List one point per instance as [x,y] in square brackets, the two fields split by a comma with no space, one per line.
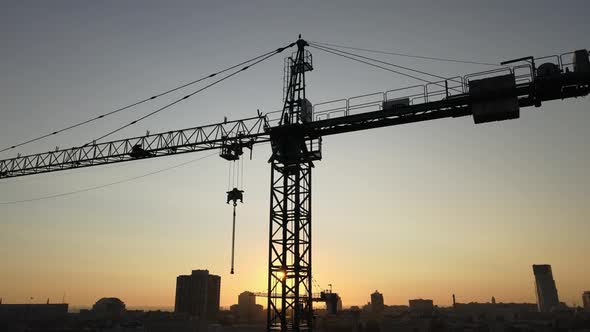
[295,136]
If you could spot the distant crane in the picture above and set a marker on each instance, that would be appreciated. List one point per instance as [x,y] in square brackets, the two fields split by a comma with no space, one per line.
[296,143]
[329,298]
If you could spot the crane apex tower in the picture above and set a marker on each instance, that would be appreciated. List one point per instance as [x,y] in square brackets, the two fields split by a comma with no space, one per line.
[289,257]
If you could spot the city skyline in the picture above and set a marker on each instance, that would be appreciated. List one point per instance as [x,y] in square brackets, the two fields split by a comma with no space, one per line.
[193,288]
[418,211]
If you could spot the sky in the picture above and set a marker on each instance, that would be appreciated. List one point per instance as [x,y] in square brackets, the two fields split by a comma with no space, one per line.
[424,210]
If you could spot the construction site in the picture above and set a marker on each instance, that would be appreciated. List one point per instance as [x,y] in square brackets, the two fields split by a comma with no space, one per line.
[295,138]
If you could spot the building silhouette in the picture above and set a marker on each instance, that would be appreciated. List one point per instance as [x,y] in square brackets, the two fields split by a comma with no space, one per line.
[377,303]
[332,301]
[421,306]
[247,299]
[586,300]
[109,307]
[498,311]
[247,310]
[197,294]
[32,312]
[546,291]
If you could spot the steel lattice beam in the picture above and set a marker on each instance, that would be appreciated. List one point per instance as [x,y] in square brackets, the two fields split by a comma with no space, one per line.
[163,144]
[290,283]
[289,254]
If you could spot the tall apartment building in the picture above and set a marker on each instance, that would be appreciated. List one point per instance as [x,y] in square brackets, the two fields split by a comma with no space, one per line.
[377,303]
[198,294]
[586,300]
[547,298]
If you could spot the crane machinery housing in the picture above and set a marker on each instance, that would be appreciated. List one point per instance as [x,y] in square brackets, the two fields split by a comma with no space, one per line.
[295,134]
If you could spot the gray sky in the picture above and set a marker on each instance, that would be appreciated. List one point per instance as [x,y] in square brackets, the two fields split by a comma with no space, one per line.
[422,210]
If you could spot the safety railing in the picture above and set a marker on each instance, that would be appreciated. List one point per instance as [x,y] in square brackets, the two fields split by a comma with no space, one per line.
[443,89]
[417,94]
[331,108]
[365,103]
[485,74]
[435,91]
[555,59]
[523,73]
[567,62]
[413,95]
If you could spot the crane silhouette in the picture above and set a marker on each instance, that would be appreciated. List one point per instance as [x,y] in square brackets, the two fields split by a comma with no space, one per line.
[295,134]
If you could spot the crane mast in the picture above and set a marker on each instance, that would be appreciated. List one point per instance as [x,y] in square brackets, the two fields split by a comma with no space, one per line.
[296,142]
[289,252]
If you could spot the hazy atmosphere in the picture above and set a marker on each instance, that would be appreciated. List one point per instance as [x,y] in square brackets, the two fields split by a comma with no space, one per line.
[423,210]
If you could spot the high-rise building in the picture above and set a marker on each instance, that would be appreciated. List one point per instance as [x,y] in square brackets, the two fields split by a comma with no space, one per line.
[331,300]
[377,303]
[547,298]
[197,294]
[586,300]
[421,306]
[247,299]
[247,310]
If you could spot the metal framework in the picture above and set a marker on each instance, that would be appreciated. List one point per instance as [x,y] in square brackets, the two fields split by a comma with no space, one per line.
[289,266]
[289,252]
[296,143]
[215,136]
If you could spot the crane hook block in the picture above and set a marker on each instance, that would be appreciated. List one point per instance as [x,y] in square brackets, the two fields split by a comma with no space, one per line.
[235,195]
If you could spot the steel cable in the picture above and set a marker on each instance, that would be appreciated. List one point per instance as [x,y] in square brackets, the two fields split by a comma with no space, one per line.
[137,102]
[187,96]
[408,55]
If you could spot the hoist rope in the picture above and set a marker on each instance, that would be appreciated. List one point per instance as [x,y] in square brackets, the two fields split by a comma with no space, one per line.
[233,239]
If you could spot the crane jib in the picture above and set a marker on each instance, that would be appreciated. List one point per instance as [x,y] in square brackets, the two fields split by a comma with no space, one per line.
[296,142]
